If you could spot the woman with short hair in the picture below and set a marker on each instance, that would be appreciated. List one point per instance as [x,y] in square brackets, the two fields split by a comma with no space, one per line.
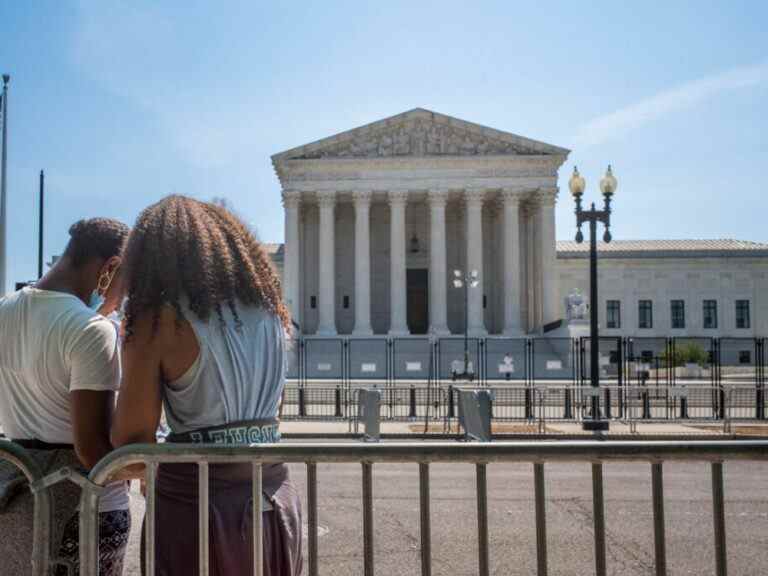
[205,339]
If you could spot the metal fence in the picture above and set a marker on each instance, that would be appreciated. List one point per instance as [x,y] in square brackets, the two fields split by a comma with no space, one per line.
[630,403]
[662,361]
[423,455]
[43,505]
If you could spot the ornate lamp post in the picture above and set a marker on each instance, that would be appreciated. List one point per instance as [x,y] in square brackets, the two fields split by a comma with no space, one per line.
[466,281]
[608,186]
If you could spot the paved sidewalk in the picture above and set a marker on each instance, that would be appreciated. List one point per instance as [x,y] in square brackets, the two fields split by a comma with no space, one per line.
[295,427]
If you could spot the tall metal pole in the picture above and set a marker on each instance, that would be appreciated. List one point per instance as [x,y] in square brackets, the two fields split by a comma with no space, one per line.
[593,332]
[40,231]
[3,171]
[466,324]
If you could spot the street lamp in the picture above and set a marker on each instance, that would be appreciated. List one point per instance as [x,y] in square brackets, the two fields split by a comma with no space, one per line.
[608,185]
[466,281]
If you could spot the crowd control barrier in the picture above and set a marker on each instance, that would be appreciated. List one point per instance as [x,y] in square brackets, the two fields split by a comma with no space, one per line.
[423,455]
[43,506]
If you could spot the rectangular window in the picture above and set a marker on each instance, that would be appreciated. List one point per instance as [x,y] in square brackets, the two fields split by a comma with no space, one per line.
[613,314]
[745,357]
[645,314]
[742,313]
[710,314]
[678,314]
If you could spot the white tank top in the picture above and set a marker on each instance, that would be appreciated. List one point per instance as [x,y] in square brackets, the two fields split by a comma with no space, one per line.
[239,373]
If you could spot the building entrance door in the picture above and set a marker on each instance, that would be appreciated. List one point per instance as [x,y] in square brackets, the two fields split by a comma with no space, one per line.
[418,300]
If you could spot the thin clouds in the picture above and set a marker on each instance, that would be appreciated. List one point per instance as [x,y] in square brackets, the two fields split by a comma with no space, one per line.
[617,124]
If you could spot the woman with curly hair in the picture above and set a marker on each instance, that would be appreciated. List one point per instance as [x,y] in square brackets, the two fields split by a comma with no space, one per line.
[205,339]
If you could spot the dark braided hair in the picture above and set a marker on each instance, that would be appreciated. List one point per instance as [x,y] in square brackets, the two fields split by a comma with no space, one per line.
[183,248]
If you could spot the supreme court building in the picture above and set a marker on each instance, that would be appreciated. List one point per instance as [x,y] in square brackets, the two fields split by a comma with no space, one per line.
[378,218]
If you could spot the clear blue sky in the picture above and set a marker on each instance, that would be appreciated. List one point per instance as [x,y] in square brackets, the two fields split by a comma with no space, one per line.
[123,103]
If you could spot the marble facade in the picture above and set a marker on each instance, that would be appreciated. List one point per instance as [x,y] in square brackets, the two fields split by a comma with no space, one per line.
[424,193]
[379,217]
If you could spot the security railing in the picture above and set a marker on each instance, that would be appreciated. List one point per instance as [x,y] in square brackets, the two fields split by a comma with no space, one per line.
[623,360]
[692,402]
[423,455]
[43,505]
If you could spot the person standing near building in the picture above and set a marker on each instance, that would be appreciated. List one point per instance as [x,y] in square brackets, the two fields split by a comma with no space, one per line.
[205,339]
[59,370]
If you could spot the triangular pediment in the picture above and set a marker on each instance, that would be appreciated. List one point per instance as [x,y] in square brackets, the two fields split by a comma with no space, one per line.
[418,133]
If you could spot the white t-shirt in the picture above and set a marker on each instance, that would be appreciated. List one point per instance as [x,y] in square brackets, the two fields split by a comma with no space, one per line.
[50,344]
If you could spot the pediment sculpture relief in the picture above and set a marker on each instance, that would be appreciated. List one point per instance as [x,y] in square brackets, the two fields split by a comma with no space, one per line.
[417,138]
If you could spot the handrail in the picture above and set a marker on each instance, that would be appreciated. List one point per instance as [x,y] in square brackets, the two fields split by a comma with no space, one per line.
[43,511]
[435,452]
[425,453]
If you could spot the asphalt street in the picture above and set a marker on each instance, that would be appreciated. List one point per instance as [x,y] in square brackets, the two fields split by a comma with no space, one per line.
[688,508]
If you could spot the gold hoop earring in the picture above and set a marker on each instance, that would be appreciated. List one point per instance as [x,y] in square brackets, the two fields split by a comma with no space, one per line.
[103,288]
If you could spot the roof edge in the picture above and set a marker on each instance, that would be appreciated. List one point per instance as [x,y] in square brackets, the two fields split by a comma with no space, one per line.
[548,149]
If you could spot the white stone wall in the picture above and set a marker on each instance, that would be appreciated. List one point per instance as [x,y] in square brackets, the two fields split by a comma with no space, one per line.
[627,280]
[692,280]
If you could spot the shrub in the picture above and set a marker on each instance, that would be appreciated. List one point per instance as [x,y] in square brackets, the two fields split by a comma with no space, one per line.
[687,354]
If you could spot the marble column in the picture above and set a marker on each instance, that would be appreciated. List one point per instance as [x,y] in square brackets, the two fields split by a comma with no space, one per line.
[291,255]
[438,277]
[511,264]
[397,276]
[362,200]
[550,310]
[326,304]
[474,218]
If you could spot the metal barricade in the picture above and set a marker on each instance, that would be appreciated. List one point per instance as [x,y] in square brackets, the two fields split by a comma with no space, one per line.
[480,454]
[43,505]
[315,402]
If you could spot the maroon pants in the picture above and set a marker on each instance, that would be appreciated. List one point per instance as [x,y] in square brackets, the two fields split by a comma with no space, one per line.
[230,521]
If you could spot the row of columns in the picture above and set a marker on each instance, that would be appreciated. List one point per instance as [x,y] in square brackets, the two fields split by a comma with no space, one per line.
[438,273]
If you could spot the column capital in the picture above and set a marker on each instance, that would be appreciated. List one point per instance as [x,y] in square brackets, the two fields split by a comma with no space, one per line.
[291,198]
[547,196]
[437,197]
[474,197]
[397,197]
[326,198]
[511,195]
[362,197]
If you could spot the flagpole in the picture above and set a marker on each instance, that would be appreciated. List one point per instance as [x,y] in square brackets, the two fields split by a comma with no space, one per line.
[3,171]
[40,227]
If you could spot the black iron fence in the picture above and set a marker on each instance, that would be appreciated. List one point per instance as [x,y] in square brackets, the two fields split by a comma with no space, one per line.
[532,378]
[534,403]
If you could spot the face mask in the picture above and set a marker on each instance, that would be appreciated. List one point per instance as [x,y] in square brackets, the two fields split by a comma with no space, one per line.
[96,300]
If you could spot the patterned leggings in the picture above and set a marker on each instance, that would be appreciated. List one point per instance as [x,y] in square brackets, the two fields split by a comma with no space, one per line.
[114,529]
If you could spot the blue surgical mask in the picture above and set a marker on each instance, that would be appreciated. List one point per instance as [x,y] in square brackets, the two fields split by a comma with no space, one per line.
[96,300]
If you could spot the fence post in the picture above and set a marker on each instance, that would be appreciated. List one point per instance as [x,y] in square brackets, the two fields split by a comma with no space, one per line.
[528,404]
[683,407]
[451,410]
[302,406]
[716,373]
[412,401]
[646,403]
[337,401]
[607,402]
[620,380]
[759,398]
